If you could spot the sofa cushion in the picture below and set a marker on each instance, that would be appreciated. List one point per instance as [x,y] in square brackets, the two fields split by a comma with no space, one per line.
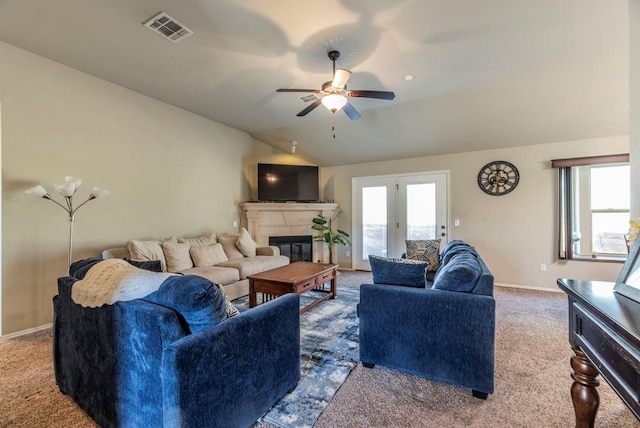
[455,247]
[461,273]
[252,265]
[208,255]
[199,301]
[177,256]
[146,251]
[200,240]
[229,245]
[427,250]
[405,272]
[217,274]
[246,244]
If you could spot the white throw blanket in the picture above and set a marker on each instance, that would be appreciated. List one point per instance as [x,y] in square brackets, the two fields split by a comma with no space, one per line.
[115,280]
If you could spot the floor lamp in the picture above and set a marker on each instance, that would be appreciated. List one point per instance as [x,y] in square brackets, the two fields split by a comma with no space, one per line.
[67,189]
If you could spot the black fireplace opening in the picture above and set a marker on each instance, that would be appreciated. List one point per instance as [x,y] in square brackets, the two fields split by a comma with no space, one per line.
[298,248]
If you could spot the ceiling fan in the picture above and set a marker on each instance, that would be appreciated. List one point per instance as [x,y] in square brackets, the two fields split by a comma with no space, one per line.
[335,92]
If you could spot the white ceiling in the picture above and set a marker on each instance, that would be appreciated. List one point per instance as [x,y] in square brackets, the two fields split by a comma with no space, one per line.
[488,73]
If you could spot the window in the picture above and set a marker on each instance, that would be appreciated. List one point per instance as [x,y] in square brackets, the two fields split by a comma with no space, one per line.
[595,197]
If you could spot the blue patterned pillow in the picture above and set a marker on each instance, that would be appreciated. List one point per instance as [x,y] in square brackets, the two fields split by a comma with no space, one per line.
[410,273]
[461,273]
[198,300]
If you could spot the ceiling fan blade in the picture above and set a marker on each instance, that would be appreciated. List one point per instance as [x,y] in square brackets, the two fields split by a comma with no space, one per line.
[341,77]
[383,95]
[351,111]
[310,107]
[298,90]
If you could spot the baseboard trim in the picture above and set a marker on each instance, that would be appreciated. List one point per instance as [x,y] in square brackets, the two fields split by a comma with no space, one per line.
[528,287]
[25,332]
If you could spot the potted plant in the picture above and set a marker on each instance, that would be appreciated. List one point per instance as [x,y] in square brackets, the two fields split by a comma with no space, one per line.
[327,233]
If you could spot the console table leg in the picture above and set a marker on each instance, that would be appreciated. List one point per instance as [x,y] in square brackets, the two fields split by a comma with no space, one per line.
[583,391]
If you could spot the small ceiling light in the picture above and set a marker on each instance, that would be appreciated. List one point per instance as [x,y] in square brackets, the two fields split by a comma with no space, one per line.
[334,102]
[294,143]
[408,77]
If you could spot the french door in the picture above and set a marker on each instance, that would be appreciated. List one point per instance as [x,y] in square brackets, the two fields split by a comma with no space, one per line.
[390,209]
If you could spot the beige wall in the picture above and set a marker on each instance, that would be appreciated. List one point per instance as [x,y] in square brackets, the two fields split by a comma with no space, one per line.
[170,173]
[514,233]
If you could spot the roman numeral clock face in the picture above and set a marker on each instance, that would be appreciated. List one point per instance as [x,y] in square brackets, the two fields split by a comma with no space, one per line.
[498,178]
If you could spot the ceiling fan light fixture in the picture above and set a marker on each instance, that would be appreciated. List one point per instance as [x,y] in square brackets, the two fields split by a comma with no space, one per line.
[334,102]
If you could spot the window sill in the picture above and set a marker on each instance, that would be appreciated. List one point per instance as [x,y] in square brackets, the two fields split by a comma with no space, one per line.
[605,259]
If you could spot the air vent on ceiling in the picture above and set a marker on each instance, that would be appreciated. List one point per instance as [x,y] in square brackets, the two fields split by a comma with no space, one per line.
[168,27]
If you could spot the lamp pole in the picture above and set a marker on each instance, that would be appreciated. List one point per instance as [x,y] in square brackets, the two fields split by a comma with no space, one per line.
[67,189]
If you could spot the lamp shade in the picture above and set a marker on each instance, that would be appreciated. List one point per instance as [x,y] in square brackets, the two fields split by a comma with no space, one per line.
[66,189]
[334,102]
[74,180]
[37,191]
[97,192]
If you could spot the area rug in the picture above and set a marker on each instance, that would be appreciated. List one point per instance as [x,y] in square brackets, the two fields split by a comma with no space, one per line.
[328,352]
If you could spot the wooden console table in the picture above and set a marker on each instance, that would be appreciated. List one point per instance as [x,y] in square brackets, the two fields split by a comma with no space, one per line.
[604,332]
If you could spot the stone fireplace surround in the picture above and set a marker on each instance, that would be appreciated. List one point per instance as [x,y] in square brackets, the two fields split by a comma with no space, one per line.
[265,219]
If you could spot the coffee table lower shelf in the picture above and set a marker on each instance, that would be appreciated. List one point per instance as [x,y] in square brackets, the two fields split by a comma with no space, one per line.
[297,277]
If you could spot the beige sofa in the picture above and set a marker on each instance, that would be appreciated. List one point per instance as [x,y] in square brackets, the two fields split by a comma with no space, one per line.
[226,259]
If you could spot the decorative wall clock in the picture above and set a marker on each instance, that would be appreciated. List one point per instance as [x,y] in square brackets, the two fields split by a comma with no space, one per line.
[498,178]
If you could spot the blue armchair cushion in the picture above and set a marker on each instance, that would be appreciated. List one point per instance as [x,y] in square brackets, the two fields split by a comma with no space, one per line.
[198,300]
[409,273]
[455,247]
[461,273]
[80,268]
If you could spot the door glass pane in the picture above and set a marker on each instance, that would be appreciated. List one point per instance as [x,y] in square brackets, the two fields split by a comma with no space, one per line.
[421,211]
[374,221]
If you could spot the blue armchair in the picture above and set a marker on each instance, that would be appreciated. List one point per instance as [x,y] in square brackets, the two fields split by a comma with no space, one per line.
[443,331]
[136,363]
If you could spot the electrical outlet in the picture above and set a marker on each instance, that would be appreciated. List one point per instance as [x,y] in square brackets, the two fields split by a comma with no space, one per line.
[456,222]
[347,253]
[543,267]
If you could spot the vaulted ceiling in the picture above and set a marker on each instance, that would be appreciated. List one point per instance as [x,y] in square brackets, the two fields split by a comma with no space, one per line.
[487,73]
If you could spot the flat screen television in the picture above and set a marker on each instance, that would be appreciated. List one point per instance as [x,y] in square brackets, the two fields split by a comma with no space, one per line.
[280,183]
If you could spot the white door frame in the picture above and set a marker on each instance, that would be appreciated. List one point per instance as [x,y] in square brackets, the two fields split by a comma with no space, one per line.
[394,212]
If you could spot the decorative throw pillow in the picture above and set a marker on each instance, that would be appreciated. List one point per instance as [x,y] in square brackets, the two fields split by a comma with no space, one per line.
[147,251]
[232,311]
[246,244]
[208,255]
[392,271]
[153,265]
[177,256]
[426,250]
[79,269]
[460,274]
[229,245]
[197,299]
[200,240]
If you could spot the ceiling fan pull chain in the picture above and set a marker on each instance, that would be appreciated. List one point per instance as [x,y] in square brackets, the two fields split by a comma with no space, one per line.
[333,125]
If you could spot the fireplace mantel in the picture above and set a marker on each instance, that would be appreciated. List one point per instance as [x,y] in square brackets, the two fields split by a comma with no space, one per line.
[265,219]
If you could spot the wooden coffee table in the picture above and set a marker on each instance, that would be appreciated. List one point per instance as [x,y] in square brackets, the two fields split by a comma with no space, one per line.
[297,277]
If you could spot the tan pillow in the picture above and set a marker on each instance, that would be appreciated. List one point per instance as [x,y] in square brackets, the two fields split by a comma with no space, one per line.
[200,240]
[229,245]
[208,255]
[177,256]
[146,251]
[246,244]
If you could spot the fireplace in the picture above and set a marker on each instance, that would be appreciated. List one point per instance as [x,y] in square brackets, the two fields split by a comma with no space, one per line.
[265,220]
[298,248]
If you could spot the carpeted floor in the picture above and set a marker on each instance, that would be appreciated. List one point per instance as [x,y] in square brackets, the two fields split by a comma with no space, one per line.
[532,380]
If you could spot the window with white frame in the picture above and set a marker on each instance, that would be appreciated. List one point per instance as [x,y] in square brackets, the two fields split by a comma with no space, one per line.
[594,207]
